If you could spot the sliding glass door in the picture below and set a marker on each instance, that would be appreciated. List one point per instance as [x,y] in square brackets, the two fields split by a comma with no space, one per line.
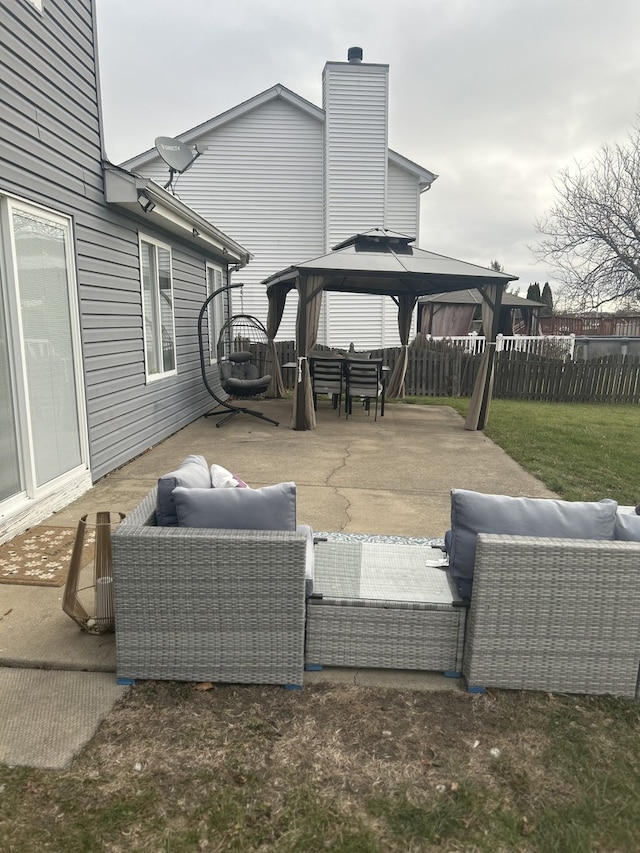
[44,421]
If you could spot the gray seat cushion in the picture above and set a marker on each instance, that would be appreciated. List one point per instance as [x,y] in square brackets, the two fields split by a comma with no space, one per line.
[474,512]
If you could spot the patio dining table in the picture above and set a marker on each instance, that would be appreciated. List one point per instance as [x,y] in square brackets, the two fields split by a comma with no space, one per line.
[293,365]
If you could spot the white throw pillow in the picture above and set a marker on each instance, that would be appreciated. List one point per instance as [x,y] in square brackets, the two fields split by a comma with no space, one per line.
[223,479]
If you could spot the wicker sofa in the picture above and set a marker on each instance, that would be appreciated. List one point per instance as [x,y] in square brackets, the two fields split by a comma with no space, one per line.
[559,614]
[197,604]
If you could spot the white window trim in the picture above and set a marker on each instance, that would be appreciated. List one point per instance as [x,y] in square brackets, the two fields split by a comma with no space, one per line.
[154,377]
[8,205]
[214,322]
[37,4]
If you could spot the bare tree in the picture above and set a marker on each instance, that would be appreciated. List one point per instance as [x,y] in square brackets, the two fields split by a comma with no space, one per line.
[591,235]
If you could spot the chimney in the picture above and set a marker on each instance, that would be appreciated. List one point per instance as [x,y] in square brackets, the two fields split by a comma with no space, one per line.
[355,99]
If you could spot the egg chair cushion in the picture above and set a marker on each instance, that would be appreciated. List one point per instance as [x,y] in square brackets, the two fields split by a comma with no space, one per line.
[241,378]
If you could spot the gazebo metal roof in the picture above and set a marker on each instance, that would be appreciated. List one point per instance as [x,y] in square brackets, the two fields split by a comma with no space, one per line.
[383,262]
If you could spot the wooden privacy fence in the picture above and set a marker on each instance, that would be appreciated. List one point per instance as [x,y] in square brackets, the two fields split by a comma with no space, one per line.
[438,369]
[610,379]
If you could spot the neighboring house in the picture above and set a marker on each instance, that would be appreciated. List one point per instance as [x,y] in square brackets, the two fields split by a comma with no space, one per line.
[292,180]
[102,278]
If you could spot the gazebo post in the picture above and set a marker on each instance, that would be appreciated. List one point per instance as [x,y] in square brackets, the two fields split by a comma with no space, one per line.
[310,289]
[488,384]
[301,352]
[478,414]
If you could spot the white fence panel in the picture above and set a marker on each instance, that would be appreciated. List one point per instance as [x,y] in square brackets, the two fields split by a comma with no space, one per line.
[472,344]
[537,344]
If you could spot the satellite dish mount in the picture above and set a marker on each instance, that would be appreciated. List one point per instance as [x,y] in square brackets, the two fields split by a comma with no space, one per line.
[178,156]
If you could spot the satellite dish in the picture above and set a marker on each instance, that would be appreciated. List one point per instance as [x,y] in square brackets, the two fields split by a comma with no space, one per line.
[178,156]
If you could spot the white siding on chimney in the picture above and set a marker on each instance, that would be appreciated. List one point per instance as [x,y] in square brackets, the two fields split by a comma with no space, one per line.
[355,100]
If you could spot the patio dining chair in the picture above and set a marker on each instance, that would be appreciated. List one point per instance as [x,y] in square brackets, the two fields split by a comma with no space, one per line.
[327,376]
[364,380]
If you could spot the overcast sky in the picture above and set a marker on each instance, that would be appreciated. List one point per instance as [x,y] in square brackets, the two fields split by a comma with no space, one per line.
[494,96]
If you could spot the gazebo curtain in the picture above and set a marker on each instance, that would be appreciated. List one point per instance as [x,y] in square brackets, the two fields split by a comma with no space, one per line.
[309,289]
[277,300]
[478,414]
[440,320]
[406,303]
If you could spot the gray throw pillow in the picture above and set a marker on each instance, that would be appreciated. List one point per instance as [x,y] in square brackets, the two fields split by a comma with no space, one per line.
[268,508]
[193,473]
[473,513]
[627,527]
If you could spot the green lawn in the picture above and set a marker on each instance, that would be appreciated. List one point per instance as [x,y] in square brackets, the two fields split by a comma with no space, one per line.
[581,451]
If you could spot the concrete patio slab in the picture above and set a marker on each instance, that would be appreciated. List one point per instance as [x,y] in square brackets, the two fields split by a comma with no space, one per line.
[392,475]
[35,632]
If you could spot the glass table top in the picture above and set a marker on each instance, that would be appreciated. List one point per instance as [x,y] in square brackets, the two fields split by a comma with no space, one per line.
[381,572]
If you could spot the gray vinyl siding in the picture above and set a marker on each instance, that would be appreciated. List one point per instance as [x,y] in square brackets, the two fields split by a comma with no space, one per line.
[260,180]
[51,155]
[126,414]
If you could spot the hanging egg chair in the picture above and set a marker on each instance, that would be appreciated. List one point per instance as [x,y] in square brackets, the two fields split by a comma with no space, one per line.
[243,346]
[242,351]
[243,333]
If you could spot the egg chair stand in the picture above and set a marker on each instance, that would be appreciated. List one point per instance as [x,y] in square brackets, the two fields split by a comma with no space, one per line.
[228,410]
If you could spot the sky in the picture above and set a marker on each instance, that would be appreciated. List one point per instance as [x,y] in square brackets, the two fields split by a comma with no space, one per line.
[494,96]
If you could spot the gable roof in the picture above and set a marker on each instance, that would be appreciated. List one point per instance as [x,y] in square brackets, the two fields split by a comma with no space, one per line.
[425,176]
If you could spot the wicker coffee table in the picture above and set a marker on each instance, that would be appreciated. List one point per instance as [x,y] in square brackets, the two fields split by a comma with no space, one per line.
[383,605]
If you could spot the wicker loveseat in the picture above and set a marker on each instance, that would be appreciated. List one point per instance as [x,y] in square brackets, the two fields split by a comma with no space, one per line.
[556,613]
[202,604]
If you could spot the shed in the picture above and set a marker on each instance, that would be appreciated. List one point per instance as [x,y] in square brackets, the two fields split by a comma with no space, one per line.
[454,313]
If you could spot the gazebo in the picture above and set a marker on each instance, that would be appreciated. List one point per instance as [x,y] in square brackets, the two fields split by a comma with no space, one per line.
[381,262]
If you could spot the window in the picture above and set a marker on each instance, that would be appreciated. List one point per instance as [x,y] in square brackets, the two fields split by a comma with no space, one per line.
[215,310]
[157,309]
